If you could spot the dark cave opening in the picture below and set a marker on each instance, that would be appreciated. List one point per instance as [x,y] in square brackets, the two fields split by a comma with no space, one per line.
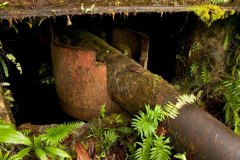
[38,103]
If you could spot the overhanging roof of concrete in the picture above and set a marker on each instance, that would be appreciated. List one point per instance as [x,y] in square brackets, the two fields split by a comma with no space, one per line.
[19,9]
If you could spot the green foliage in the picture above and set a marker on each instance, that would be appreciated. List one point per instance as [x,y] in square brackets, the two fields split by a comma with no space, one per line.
[226,42]
[153,146]
[205,75]
[110,137]
[4,67]
[233,56]
[143,153]
[108,131]
[56,135]
[181,156]
[161,149]
[231,91]
[195,46]
[4,5]
[219,1]
[45,74]
[13,60]
[5,156]
[44,146]
[10,57]
[103,110]
[106,137]
[210,13]
[7,96]
[193,69]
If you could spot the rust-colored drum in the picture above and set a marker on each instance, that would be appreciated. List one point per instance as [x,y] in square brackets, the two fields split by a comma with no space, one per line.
[81,82]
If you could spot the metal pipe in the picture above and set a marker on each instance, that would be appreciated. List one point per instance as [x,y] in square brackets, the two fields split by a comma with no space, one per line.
[202,136]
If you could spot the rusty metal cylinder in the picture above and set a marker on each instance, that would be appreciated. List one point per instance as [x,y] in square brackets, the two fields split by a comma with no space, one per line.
[194,131]
[202,136]
[81,82]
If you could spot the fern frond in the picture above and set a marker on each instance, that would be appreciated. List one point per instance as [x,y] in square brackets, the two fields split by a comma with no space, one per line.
[143,153]
[12,58]
[181,156]
[154,114]
[57,134]
[144,125]
[205,75]
[170,110]
[185,99]
[161,149]
[110,137]
[25,132]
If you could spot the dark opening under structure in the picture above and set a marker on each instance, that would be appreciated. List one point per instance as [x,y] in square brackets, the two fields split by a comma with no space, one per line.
[38,103]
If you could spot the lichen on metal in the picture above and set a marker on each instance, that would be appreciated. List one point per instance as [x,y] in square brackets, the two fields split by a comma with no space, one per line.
[34,8]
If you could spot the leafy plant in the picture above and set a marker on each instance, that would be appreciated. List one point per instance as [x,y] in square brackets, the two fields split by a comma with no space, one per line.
[10,57]
[153,146]
[231,91]
[44,145]
[107,132]
[181,156]
[205,75]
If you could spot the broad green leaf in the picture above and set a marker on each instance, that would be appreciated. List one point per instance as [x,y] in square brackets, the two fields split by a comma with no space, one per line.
[6,156]
[24,152]
[10,135]
[57,151]
[41,154]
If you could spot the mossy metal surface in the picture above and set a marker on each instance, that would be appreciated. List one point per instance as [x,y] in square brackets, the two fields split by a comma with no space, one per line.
[35,8]
[128,83]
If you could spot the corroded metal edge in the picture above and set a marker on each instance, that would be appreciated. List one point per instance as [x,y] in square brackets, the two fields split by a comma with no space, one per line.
[49,11]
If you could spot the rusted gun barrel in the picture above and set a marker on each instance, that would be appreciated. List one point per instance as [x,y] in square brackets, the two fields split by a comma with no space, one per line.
[131,86]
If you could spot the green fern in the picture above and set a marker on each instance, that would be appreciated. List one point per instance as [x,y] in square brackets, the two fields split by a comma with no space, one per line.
[231,91]
[161,149]
[110,137]
[12,58]
[143,153]
[181,156]
[205,75]
[44,146]
[193,69]
[56,135]
[152,146]
[146,123]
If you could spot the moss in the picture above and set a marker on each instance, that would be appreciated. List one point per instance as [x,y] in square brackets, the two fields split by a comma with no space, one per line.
[210,13]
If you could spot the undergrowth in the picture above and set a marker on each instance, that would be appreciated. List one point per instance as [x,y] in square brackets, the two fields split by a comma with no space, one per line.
[44,146]
[153,146]
[217,88]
